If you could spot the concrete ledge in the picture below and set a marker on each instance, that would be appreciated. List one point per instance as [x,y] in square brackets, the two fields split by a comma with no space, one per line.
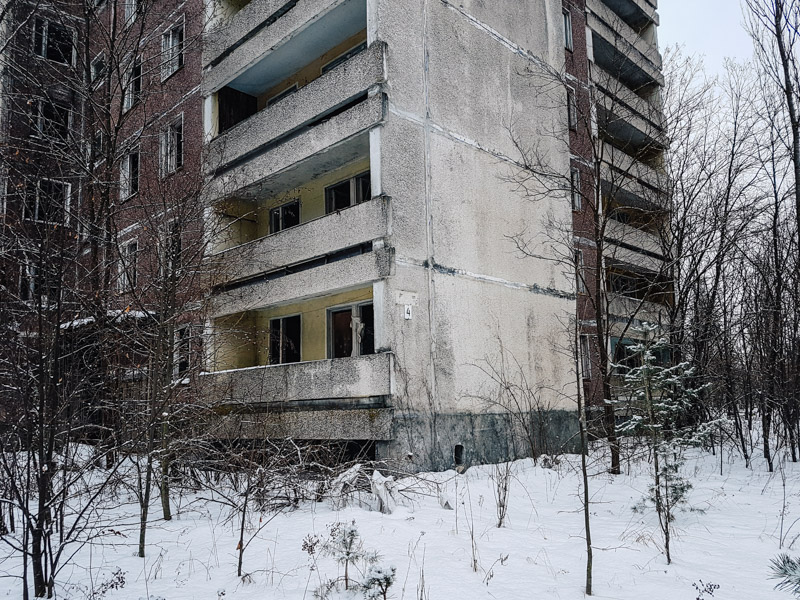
[340,378]
[624,307]
[350,273]
[272,160]
[617,97]
[624,47]
[633,236]
[343,229]
[333,89]
[628,167]
[599,12]
[359,424]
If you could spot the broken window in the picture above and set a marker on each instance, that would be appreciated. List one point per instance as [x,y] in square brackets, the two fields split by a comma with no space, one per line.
[284,216]
[51,119]
[172,50]
[351,331]
[53,41]
[98,67]
[183,350]
[586,357]
[572,109]
[46,200]
[347,193]
[284,340]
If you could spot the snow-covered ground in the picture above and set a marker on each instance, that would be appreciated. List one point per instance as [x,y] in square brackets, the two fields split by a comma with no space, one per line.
[727,537]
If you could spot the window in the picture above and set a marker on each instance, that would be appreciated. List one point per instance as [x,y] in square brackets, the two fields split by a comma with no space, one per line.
[131,9]
[183,349]
[98,67]
[51,120]
[572,109]
[172,147]
[284,340]
[351,331]
[575,188]
[284,216]
[586,357]
[126,280]
[172,50]
[347,193]
[53,41]
[343,57]
[46,200]
[625,355]
[580,282]
[133,89]
[567,30]
[34,281]
[129,175]
[173,248]
[96,148]
[281,95]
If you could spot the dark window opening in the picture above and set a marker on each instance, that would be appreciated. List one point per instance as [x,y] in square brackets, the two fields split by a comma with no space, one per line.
[284,340]
[284,217]
[46,200]
[52,120]
[349,192]
[183,350]
[352,331]
[53,41]
[234,107]
[458,455]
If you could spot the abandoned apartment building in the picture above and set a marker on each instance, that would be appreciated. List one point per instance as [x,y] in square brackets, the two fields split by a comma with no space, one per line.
[363,162]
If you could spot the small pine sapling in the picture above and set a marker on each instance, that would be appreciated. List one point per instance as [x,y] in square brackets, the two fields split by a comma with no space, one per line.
[347,548]
[787,569]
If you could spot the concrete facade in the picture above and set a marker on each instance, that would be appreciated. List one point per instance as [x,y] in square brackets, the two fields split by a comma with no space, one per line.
[411,107]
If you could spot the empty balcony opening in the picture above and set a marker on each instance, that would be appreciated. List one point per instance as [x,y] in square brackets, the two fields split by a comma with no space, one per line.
[630,12]
[245,220]
[615,61]
[642,215]
[301,331]
[639,284]
[351,331]
[327,43]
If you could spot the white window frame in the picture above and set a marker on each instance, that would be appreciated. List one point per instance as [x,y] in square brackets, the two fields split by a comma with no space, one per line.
[98,76]
[580,282]
[172,146]
[568,41]
[586,356]
[355,312]
[132,96]
[35,217]
[168,264]
[127,275]
[575,188]
[126,191]
[572,109]
[172,53]
[130,10]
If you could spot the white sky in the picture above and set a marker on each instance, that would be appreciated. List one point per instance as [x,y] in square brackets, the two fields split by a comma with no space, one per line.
[712,28]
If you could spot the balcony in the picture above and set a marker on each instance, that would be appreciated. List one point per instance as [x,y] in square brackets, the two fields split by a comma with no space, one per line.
[623,172]
[359,269]
[625,235]
[332,233]
[638,14]
[616,30]
[269,39]
[343,398]
[647,114]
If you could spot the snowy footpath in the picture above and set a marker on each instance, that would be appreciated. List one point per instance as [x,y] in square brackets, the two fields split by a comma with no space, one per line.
[444,544]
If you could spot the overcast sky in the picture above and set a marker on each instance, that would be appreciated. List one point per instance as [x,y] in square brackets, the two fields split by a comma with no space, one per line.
[709,27]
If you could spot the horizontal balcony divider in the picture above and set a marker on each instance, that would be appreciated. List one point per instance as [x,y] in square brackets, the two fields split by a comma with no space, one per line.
[349,273]
[333,232]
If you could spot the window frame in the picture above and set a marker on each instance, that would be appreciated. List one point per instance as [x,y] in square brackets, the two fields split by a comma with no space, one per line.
[575,188]
[175,61]
[586,356]
[133,85]
[67,187]
[354,192]
[42,51]
[355,308]
[96,75]
[572,109]
[580,282]
[172,147]
[127,277]
[171,240]
[568,36]
[39,131]
[130,10]
[281,359]
[280,211]
[128,186]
